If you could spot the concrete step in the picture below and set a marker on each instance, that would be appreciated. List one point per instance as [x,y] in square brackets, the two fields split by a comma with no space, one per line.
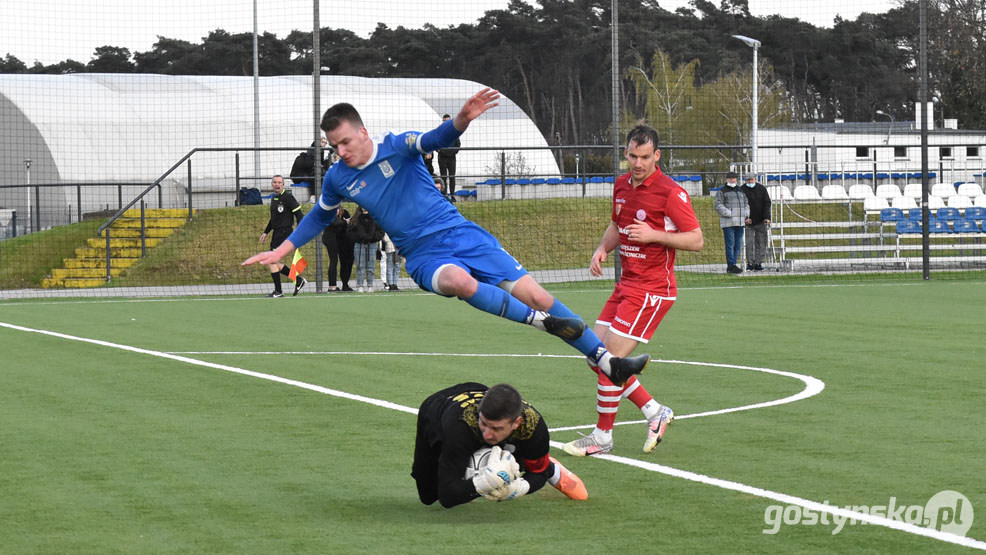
[134,223]
[122,263]
[51,283]
[158,213]
[131,243]
[75,273]
[154,232]
[115,252]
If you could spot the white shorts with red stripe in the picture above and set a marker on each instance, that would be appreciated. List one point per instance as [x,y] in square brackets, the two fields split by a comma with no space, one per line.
[634,313]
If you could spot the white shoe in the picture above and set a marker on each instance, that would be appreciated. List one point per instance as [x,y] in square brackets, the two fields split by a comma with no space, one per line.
[360,289]
[656,428]
[587,445]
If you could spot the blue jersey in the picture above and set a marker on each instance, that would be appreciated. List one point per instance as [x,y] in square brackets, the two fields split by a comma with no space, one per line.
[393,186]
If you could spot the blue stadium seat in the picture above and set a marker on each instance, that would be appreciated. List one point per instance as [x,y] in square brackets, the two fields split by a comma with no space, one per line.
[803,177]
[554,180]
[883,175]
[511,181]
[868,175]
[908,226]
[523,181]
[773,178]
[537,181]
[975,213]
[568,180]
[596,179]
[492,181]
[938,226]
[914,214]
[948,214]
[695,178]
[965,226]
[788,177]
[823,177]
[891,215]
[897,175]
[467,193]
[609,179]
[850,176]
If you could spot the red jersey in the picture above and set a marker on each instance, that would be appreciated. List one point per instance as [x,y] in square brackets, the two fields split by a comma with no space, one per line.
[663,205]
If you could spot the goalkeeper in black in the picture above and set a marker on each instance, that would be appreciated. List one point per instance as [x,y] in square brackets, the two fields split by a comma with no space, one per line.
[455,422]
[283,209]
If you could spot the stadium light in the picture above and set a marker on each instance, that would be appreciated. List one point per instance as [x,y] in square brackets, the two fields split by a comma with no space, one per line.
[889,129]
[755,45]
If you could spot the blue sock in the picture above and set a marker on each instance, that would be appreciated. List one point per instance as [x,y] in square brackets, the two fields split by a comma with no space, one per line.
[498,302]
[589,344]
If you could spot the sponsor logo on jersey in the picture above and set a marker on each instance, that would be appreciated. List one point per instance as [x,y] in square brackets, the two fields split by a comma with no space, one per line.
[385,169]
[411,138]
[621,321]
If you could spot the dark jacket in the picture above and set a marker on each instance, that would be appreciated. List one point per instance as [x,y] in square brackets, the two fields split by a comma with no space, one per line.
[334,236]
[364,229]
[303,169]
[449,154]
[759,203]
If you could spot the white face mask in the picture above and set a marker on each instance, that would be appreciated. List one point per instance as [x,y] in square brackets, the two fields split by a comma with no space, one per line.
[730,184]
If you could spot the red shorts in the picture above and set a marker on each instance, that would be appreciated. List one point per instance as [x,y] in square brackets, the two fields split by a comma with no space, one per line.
[634,313]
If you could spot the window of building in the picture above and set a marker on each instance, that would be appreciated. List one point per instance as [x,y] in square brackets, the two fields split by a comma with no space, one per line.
[900,152]
[944,152]
[862,152]
[972,152]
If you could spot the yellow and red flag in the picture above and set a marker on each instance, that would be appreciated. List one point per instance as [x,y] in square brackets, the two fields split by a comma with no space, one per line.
[298,265]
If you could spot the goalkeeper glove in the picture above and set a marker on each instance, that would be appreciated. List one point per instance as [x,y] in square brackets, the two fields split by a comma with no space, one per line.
[509,491]
[501,470]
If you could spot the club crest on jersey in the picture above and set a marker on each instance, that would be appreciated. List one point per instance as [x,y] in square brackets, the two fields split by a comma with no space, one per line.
[385,169]
[411,139]
[618,208]
[280,208]
[683,196]
[641,215]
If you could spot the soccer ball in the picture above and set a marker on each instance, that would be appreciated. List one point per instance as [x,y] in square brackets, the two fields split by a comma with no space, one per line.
[477,462]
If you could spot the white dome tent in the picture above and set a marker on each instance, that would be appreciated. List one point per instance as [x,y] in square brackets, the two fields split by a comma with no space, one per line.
[115,128]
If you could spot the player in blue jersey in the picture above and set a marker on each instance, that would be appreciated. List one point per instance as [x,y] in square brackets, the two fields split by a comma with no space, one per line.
[445,253]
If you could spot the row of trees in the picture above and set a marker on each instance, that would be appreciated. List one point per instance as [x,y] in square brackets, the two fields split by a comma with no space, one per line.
[553,59]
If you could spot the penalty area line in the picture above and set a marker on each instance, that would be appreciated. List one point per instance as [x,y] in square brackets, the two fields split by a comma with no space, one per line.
[653,467]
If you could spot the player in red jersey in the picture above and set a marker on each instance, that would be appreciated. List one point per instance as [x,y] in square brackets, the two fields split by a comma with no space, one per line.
[652,217]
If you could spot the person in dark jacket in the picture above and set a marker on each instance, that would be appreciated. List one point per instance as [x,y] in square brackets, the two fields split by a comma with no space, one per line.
[446,165]
[733,209]
[283,209]
[757,222]
[340,251]
[303,169]
[365,233]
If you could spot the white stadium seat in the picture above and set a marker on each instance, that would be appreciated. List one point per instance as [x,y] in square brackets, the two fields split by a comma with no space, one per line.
[979,201]
[971,190]
[935,202]
[887,191]
[860,192]
[778,192]
[874,204]
[912,190]
[834,192]
[959,201]
[943,190]
[904,203]
[806,192]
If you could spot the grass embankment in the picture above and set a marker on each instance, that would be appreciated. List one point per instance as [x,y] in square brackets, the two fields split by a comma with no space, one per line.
[543,234]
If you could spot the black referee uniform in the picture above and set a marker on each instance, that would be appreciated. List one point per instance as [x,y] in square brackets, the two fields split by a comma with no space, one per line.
[448,434]
[283,209]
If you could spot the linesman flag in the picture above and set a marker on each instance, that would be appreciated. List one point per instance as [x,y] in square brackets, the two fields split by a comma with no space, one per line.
[298,265]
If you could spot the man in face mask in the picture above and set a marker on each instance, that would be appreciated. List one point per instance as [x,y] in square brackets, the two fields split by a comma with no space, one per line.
[733,209]
[756,223]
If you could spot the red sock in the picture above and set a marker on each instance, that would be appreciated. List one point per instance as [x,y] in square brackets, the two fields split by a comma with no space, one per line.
[608,397]
[634,391]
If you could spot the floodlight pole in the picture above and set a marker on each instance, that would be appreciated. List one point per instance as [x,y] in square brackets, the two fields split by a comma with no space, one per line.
[889,129]
[755,44]
[256,96]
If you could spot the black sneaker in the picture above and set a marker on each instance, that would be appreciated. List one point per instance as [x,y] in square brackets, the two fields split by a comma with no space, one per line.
[620,369]
[758,267]
[569,329]
[393,287]
[732,269]
[276,295]
[298,285]
[346,288]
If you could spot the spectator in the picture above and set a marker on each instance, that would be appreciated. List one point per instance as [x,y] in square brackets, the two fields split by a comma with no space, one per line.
[390,264]
[733,209]
[446,165]
[340,251]
[757,222]
[365,234]
[303,168]
[429,158]
[283,208]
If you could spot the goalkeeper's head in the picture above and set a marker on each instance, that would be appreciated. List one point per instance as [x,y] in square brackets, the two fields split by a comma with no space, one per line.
[500,413]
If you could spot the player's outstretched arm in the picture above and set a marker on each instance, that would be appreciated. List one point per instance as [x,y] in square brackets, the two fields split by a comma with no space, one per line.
[475,106]
[270,257]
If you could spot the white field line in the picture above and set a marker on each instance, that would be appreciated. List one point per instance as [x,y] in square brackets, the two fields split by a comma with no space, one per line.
[813,386]
[662,469]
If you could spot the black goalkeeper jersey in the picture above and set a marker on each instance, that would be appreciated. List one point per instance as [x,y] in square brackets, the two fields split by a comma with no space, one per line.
[450,419]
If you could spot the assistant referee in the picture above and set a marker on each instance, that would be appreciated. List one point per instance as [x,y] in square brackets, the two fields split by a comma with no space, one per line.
[283,209]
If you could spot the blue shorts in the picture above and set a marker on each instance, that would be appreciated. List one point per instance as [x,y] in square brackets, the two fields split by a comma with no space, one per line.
[467,246]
